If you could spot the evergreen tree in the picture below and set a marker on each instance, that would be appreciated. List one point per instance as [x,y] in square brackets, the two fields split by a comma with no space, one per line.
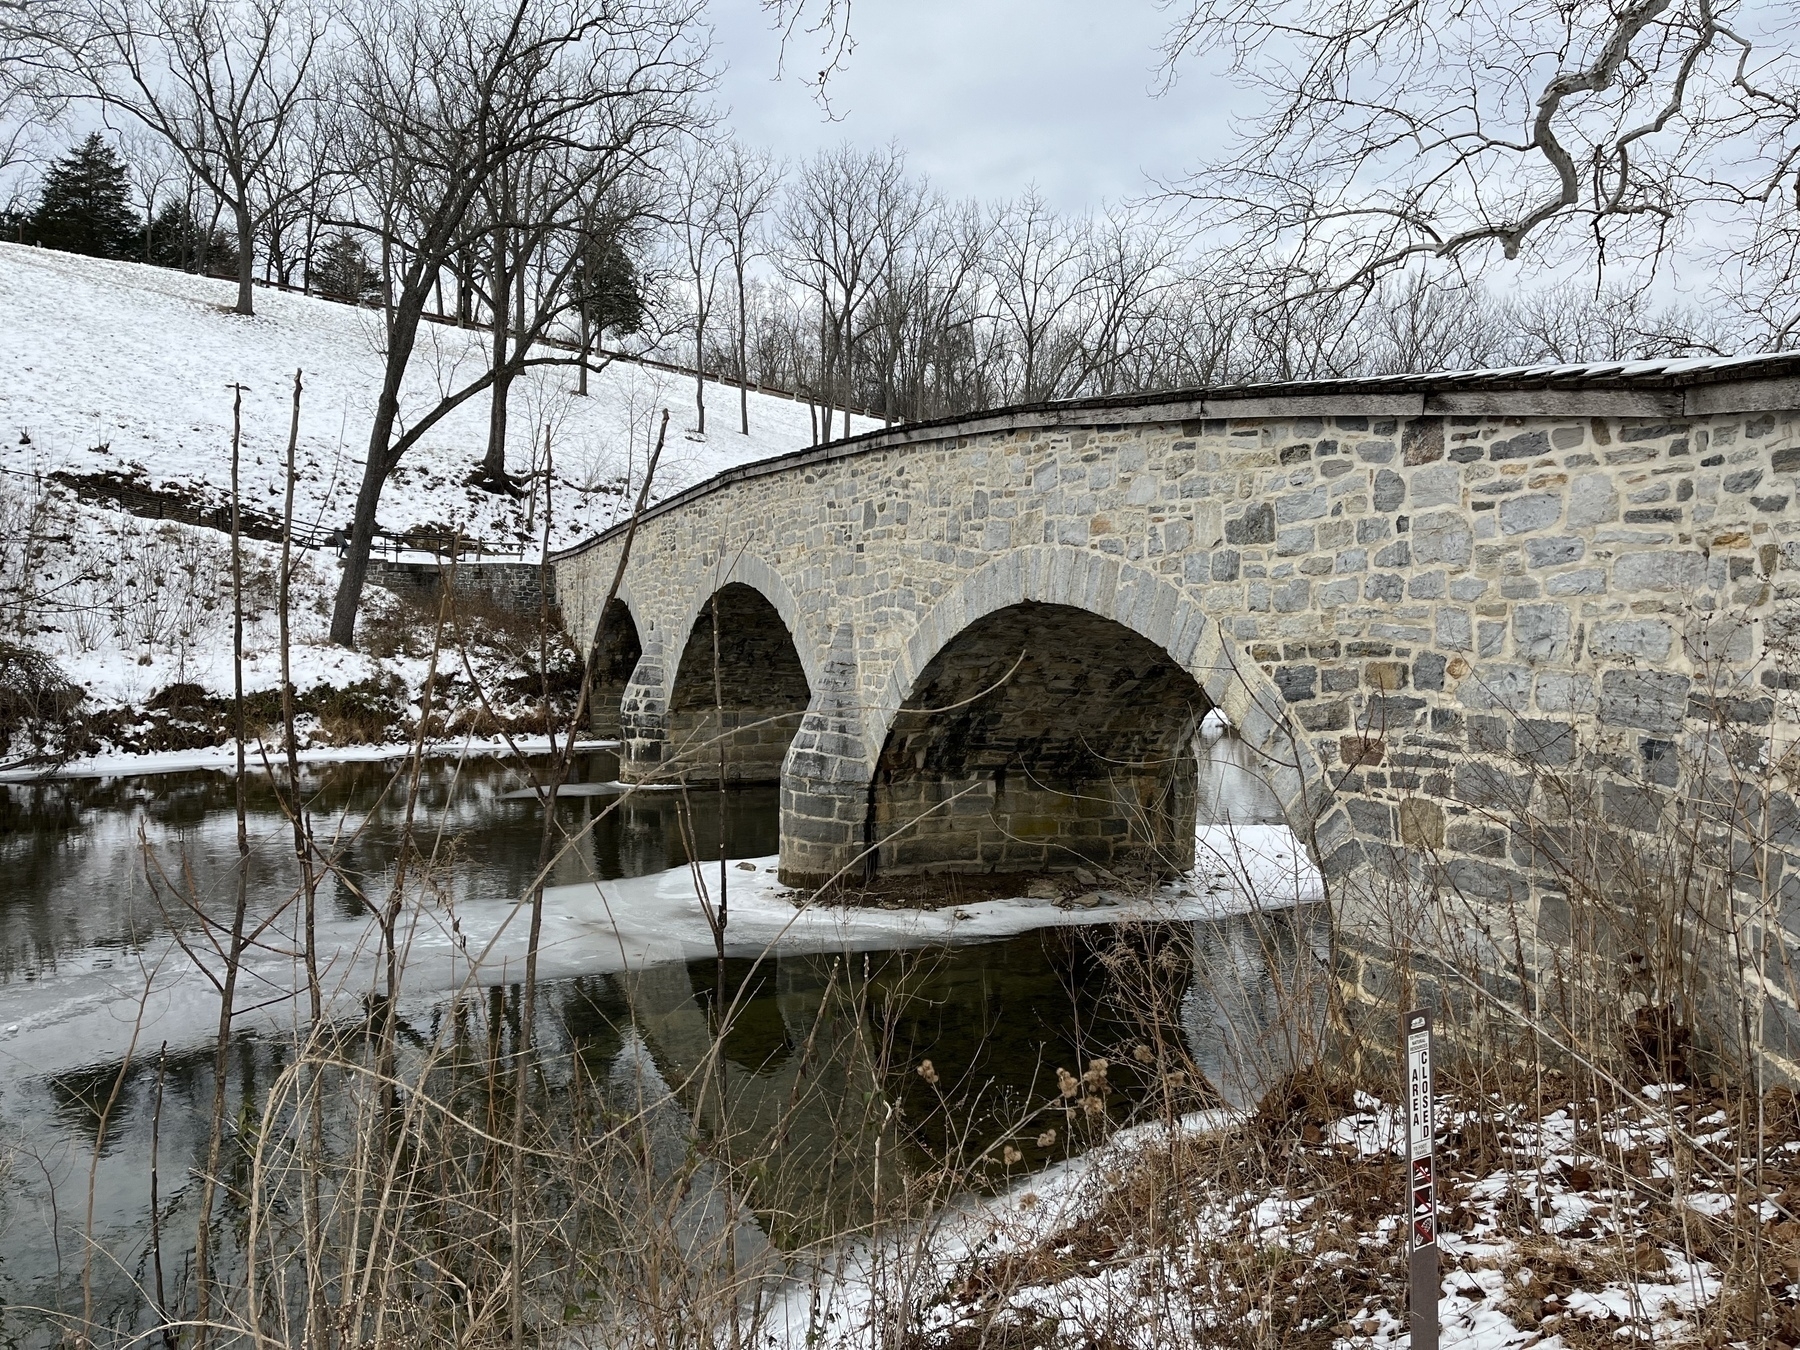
[343,271]
[607,289]
[86,204]
[181,240]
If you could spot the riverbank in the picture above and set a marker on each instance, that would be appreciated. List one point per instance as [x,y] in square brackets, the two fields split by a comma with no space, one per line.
[261,756]
[1659,1216]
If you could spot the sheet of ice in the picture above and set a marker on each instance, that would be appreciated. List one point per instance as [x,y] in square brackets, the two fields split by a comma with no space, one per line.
[86,1009]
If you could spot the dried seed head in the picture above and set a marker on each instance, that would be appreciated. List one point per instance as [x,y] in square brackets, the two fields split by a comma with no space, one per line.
[1010,1155]
[1066,1081]
[1143,1054]
[929,1074]
[1047,1138]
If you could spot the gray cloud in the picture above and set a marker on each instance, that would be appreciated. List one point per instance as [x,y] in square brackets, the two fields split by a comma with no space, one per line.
[987,96]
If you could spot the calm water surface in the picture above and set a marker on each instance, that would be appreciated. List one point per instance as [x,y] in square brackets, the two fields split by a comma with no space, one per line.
[97,875]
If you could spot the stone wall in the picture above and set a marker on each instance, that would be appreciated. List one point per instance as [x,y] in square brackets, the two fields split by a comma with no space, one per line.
[1410,600]
[515,587]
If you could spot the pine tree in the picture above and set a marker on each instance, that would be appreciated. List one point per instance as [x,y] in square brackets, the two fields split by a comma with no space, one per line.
[343,271]
[181,240]
[607,287]
[85,206]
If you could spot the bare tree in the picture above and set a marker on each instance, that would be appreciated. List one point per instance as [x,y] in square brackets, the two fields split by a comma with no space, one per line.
[1039,275]
[447,96]
[747,184]
[846,215]
[1398,129]
[700,237]
[1569,323]
[224,82]
[33,82]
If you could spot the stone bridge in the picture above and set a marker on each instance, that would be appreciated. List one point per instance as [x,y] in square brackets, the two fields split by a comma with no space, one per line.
[983,643]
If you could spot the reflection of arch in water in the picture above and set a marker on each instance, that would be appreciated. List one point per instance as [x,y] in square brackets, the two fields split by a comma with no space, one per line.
[1255,1008]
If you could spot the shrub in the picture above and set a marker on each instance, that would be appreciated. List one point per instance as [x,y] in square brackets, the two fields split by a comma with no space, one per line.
[39,705]
[368,712]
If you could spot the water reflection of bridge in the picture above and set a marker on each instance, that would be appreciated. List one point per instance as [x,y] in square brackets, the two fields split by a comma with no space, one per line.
[818,1064]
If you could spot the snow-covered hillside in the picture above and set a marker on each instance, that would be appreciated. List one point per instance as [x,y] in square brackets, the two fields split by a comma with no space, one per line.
[123,369]
[123,372]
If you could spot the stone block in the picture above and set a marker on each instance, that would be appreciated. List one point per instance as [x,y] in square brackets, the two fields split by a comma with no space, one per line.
[1560,692]
[1643,639]
[1421,823]
[1650,700]
[1442,538]
[1550,745]
[1593,500]
[1582,581]
[1455,630]
[1255,526]
[1297,506]
[1493,882]
[1390,490]
[1525,445]
[1384,588]
[1372,819]
[1541,632]
[1554,552]
[1496,686]
[1663,570]
[1422,440]
[1532,512]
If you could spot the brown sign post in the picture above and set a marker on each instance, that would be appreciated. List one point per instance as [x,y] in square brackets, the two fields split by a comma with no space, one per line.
[1421,1140]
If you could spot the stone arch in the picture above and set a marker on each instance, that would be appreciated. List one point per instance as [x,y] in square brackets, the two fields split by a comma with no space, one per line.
[737,715]
[1153,609]
[749,570]
[615,663]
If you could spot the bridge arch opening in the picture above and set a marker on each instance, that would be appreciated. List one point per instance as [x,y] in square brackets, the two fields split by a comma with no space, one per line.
[748,683]
[617,657]
[1042,737]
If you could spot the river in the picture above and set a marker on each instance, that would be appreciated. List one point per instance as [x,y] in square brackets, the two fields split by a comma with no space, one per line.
[116,889]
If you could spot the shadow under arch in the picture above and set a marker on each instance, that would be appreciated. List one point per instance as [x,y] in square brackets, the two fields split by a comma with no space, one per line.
[616,659]
[738,691]
[1158,638]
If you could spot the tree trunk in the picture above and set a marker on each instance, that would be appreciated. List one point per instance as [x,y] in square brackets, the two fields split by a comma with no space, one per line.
[246,301]
[401,338]
[699,371]
[743,346]
[493,467]
[587,345]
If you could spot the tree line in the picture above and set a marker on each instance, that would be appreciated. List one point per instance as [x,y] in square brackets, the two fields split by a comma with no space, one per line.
[550,172]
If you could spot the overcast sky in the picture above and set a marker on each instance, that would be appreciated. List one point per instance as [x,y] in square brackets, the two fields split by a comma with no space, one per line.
[985,96]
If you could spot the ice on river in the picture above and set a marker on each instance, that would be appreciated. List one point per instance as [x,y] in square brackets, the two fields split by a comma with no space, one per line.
[93,1005]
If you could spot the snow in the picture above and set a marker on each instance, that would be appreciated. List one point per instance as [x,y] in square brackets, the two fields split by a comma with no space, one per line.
[120,367]
[127,370]
[959,1272]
